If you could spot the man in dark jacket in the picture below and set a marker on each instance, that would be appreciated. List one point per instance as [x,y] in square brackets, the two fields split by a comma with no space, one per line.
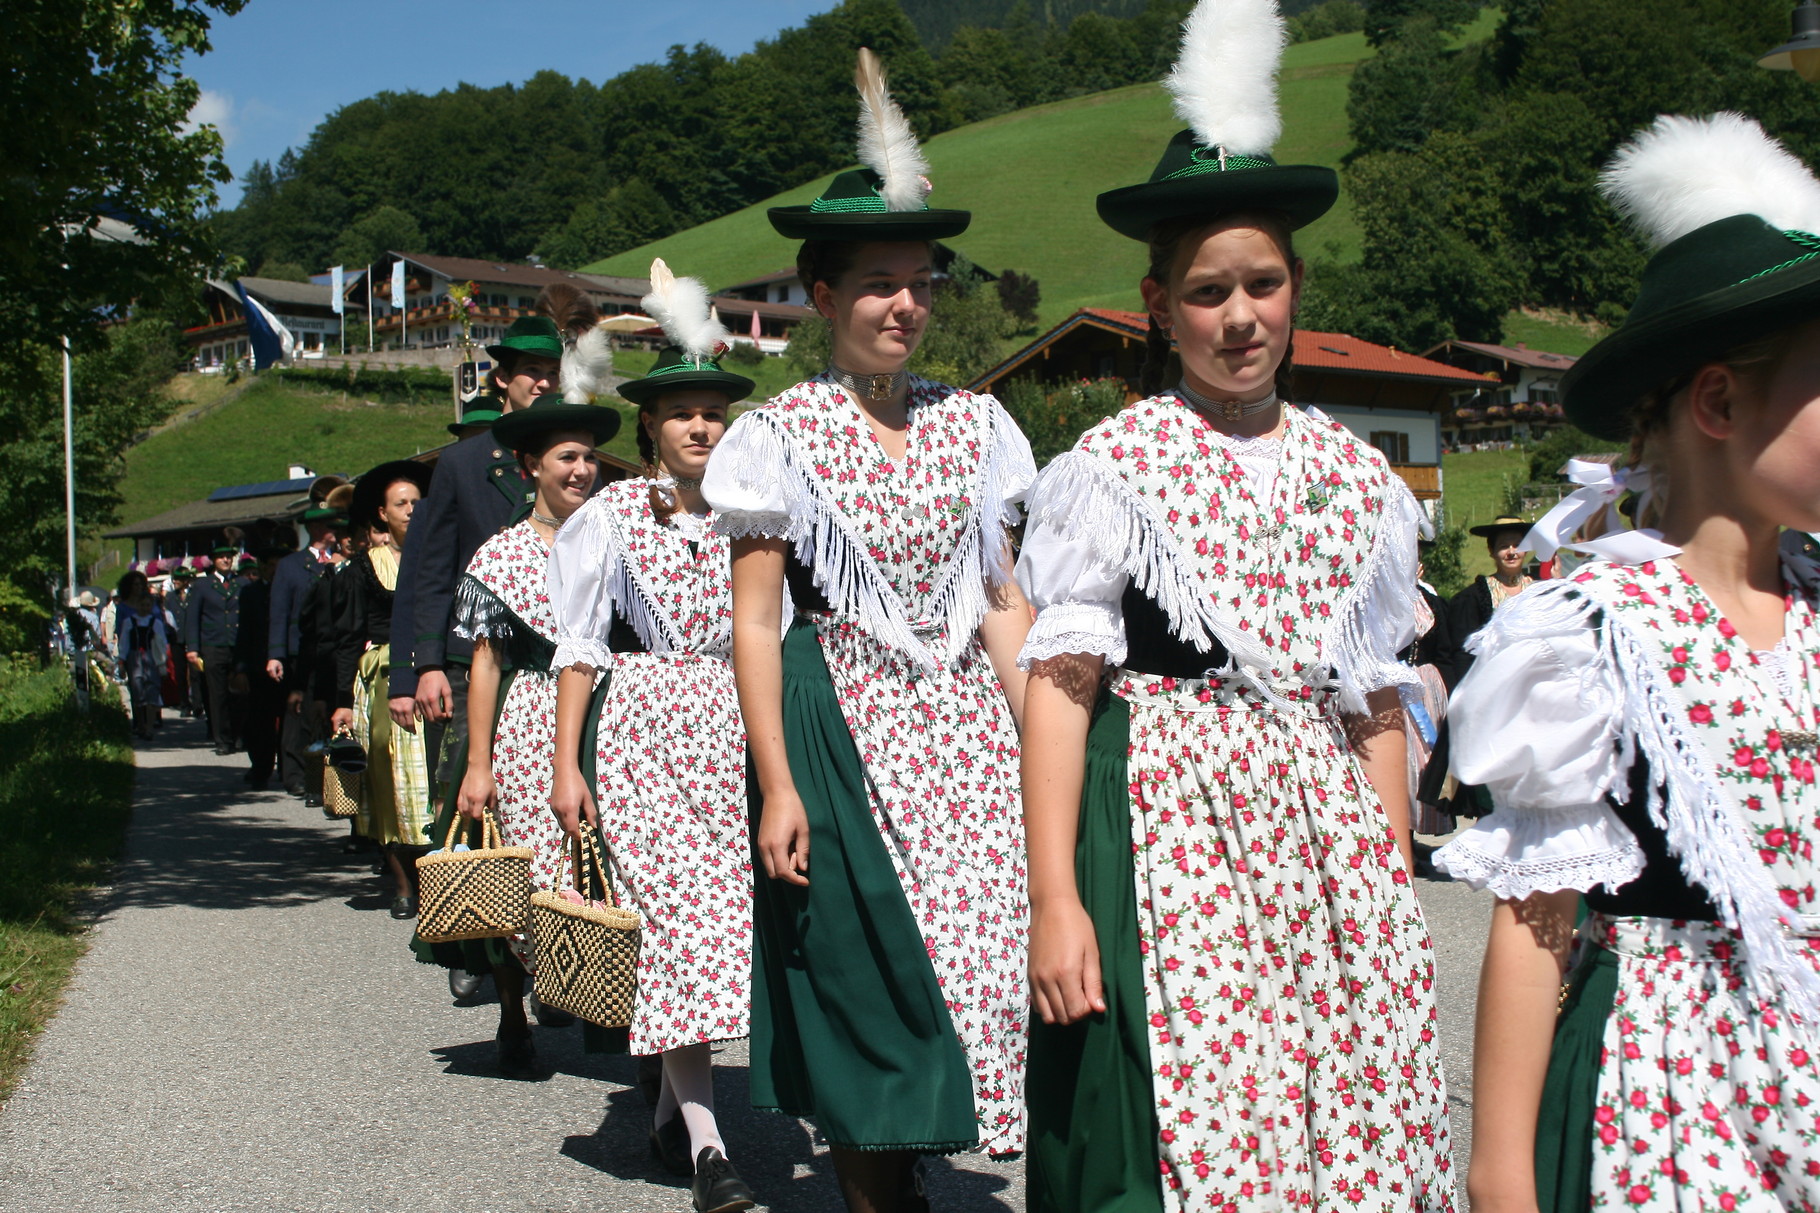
[477,490]
[211,624]
[291,583]
[264,695]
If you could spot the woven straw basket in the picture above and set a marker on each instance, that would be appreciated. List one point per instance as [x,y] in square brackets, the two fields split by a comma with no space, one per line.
[480,894]
[340,791]
[587,956]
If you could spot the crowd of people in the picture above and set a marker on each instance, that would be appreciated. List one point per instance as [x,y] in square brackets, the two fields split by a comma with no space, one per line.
[1098,849]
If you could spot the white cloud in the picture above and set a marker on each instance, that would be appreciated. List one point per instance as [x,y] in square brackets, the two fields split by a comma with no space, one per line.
[216,110]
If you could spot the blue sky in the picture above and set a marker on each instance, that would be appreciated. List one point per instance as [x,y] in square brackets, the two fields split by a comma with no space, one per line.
[280,66]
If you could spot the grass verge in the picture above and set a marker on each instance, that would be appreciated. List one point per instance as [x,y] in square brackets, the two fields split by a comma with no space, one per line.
[66,792]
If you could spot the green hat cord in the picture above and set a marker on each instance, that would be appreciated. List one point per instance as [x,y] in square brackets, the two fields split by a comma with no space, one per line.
[680,306]
[1225,88]
[1734,218]
[888,198]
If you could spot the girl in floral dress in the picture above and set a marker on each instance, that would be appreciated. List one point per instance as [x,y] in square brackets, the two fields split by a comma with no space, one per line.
[1232,972]
[639,586]
[1646,729]
[502,606]
[889,1000]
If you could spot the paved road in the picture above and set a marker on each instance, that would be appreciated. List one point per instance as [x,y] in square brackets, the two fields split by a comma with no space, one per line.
[249,1032]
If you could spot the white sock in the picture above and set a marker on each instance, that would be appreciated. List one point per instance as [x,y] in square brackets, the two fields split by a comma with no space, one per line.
[689,1086]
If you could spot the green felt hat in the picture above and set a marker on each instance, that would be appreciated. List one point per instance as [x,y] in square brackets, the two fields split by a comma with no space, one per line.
[675,371]
[1718,286]
[477,416]
[183,572]
[852,208]
[521,428]
[224,549]
[529,335]
[323,513]
[1193,179]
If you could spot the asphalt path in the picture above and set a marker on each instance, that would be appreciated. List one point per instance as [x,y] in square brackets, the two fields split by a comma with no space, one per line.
[249,1031]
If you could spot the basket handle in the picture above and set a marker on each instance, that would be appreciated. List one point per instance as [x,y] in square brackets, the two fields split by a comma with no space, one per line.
[490,837]
[584,842]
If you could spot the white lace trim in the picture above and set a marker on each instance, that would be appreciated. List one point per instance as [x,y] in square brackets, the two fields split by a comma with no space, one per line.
[1515,879]
[580,650]
[1252,448]
[1779,663]
[768,464]
[1702,823]
[1081,628]
[1082,498]
[1383,595]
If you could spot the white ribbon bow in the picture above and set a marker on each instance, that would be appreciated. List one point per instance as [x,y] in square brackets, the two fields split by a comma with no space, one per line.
[1601,487]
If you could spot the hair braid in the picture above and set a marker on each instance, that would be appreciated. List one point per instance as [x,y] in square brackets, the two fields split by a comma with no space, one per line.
[662,510]
[1156,360]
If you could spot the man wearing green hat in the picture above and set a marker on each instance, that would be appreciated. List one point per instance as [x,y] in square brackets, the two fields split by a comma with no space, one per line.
[211,624]
[291,583]
[477,488]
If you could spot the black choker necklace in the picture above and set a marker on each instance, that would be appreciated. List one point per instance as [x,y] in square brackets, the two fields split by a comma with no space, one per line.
[1225,410]
[872,387]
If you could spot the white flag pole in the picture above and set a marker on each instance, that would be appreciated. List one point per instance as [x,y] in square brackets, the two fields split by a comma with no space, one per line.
[369,307]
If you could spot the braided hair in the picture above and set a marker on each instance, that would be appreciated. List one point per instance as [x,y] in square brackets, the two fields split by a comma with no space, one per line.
[1162,365]
[661,509]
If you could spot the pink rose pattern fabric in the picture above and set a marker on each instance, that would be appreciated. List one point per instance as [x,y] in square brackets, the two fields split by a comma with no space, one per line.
[1289,974]
[671,786]
[1709,1096]
[511,566]
[939,747]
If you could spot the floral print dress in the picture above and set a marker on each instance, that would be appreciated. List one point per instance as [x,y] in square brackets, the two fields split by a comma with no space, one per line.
[903,554]
[670,754]
[1286,970]
[503,599]
[1640,752]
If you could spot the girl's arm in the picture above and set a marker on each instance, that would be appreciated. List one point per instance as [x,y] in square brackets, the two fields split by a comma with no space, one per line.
[570,797]
[478,791]
[1065,981]
[1378,740]
[758,672]
[1519,987]
[1002,632]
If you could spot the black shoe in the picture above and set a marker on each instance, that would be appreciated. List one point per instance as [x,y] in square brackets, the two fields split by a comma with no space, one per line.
[517,1055]
[312,802]
[550,1017]
[670,1146]
[651,1077]
[222,751]
[463,984]
[296,789]
[404,907]
[718,1187]
[261,783]
[913,1197]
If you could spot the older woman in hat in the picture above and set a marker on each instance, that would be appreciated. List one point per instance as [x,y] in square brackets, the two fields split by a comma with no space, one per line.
[1233,975]
[889,1000]
[396,786]
[1646,727]
[1473,607]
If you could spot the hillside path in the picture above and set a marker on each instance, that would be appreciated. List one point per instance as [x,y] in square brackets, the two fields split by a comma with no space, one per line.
[249,1031]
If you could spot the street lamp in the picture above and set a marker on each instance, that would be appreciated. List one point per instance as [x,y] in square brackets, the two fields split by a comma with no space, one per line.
[1801,53]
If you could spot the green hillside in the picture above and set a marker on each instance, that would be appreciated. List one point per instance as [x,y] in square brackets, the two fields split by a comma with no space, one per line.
[1030,178]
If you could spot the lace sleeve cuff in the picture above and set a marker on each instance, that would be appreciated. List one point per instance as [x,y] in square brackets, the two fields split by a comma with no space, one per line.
[1088,629]
[1515,853]
[579,650]
[752,524]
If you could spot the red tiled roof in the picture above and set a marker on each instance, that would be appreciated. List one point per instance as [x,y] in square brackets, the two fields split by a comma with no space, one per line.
[1314,350]
[1541,360]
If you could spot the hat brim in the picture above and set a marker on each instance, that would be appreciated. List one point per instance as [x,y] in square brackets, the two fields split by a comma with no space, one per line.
[1301,193]
[1488,529]
[801,223]
[521,428]
[643,391]
[545,347]
[1601,390]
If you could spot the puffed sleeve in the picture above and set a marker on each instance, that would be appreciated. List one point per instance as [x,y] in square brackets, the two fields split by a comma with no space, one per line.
[746,481]
[580,598]
[1074,589]
[1536,723]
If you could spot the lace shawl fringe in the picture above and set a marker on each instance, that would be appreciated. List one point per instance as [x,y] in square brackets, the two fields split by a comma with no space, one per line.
[480,614]
[846,573]
[1697,813]
[1357,664]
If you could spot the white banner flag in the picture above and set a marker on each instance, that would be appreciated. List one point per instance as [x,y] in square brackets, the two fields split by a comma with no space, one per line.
[398,284]
[335,288]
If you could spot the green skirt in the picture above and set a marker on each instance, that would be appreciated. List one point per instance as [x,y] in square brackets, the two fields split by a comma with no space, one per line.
[1093,1127]
[1564,1126]
[849,1026]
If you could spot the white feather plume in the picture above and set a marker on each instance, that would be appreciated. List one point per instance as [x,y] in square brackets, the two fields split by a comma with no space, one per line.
[1680,174]
[1225,79]
[681,306]
[586,363]
[887,145]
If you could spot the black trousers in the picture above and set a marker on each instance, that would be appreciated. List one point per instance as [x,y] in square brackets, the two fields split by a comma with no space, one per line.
[264,703]
[224,707]
[297,730]
[443,740]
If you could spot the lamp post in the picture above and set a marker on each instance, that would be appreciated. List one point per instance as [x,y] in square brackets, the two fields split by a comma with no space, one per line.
[1801,53]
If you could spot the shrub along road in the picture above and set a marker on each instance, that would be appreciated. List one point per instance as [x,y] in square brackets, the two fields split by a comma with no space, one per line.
[249,1031]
